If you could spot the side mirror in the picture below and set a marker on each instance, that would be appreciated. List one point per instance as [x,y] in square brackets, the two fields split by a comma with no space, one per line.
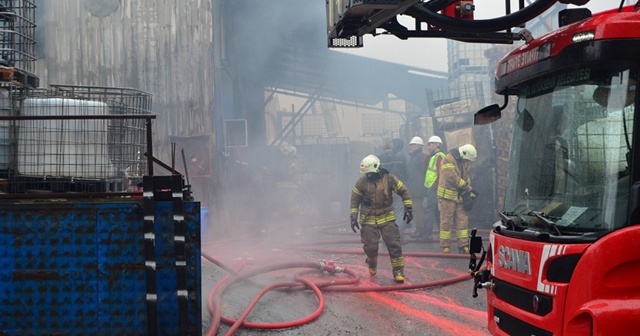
[487,115]
[490,113]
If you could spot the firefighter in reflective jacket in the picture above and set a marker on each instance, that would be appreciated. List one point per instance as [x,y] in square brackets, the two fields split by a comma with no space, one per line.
[455,181]
[432,163]
[371,196]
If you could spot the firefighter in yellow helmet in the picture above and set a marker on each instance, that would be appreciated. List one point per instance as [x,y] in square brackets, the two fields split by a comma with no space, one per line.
[454,182]
[372,197]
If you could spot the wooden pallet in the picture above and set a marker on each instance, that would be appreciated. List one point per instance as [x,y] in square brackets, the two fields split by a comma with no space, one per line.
[26,78]
[6,74]
[17,76]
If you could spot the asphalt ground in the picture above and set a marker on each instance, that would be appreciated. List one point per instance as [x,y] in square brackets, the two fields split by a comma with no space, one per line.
[436,298]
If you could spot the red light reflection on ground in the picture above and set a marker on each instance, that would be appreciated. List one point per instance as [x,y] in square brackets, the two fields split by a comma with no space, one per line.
[447,303]
[421,263]
[424,265]
[446,326]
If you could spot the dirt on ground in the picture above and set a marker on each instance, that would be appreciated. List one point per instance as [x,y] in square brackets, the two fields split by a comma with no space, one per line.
[436,298]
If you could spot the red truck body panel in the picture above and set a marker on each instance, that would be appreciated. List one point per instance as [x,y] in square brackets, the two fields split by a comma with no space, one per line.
[575,288]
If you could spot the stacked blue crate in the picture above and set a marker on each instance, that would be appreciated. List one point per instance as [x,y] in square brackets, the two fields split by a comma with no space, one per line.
[78,268]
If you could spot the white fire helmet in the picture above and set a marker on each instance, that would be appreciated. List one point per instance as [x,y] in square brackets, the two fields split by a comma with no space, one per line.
[468,152]
[288,149]
[416,140]
[435,139]
[370,164]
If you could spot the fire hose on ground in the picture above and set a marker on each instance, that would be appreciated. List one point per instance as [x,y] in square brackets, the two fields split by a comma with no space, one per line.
[341,285]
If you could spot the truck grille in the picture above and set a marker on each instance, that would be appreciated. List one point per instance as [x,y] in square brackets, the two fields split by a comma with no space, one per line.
[524,299]
[515,327]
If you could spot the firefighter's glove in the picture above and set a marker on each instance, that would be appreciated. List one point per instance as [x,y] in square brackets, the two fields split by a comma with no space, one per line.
[408,216]
[355,225]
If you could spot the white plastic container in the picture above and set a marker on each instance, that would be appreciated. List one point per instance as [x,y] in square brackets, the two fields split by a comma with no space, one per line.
[64,148]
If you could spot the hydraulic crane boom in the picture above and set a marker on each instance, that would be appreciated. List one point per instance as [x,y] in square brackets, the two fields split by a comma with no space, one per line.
[349,20]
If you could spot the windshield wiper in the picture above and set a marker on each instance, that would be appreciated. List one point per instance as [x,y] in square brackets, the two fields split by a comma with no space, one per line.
[547,221]
[512,221]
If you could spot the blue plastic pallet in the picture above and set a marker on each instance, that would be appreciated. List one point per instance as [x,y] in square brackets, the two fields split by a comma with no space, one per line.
[78,268]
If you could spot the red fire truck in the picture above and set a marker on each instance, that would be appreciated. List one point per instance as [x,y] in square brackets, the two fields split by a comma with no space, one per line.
[562,259]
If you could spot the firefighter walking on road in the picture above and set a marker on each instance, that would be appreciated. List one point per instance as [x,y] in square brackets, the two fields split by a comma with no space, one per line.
[372,197]
[454,182]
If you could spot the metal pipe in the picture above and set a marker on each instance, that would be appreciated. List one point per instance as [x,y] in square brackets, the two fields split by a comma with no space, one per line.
[149,147]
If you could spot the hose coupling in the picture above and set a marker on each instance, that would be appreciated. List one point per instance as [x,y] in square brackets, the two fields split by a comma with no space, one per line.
[330,267]
[487,285]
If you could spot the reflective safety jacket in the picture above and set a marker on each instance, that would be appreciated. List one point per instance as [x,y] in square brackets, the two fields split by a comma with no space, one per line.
[431,177]
[454,177]
[373,198]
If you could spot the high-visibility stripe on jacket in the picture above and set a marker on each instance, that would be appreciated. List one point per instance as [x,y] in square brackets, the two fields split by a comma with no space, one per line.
[453,178]
[432,170]
[373,199]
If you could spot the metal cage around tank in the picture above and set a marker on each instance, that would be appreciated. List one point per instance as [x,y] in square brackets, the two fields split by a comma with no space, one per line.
[17,42]
[81,139]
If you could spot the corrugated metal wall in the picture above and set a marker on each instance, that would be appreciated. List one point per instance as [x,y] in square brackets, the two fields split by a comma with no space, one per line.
[164,47]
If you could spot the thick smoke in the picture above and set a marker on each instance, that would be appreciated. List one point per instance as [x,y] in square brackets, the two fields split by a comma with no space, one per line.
[282,46]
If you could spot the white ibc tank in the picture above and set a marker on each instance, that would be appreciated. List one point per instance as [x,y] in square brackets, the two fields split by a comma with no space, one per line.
[64,148]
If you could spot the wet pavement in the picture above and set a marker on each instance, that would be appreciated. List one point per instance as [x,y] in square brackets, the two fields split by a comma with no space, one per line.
[436,298]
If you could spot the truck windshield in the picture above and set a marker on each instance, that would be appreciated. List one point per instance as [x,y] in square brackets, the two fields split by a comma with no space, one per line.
[571,149]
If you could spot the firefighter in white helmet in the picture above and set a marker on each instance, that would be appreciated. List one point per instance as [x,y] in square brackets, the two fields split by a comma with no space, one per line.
[415,183]
[431,163]
[454,182]
[372,197]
